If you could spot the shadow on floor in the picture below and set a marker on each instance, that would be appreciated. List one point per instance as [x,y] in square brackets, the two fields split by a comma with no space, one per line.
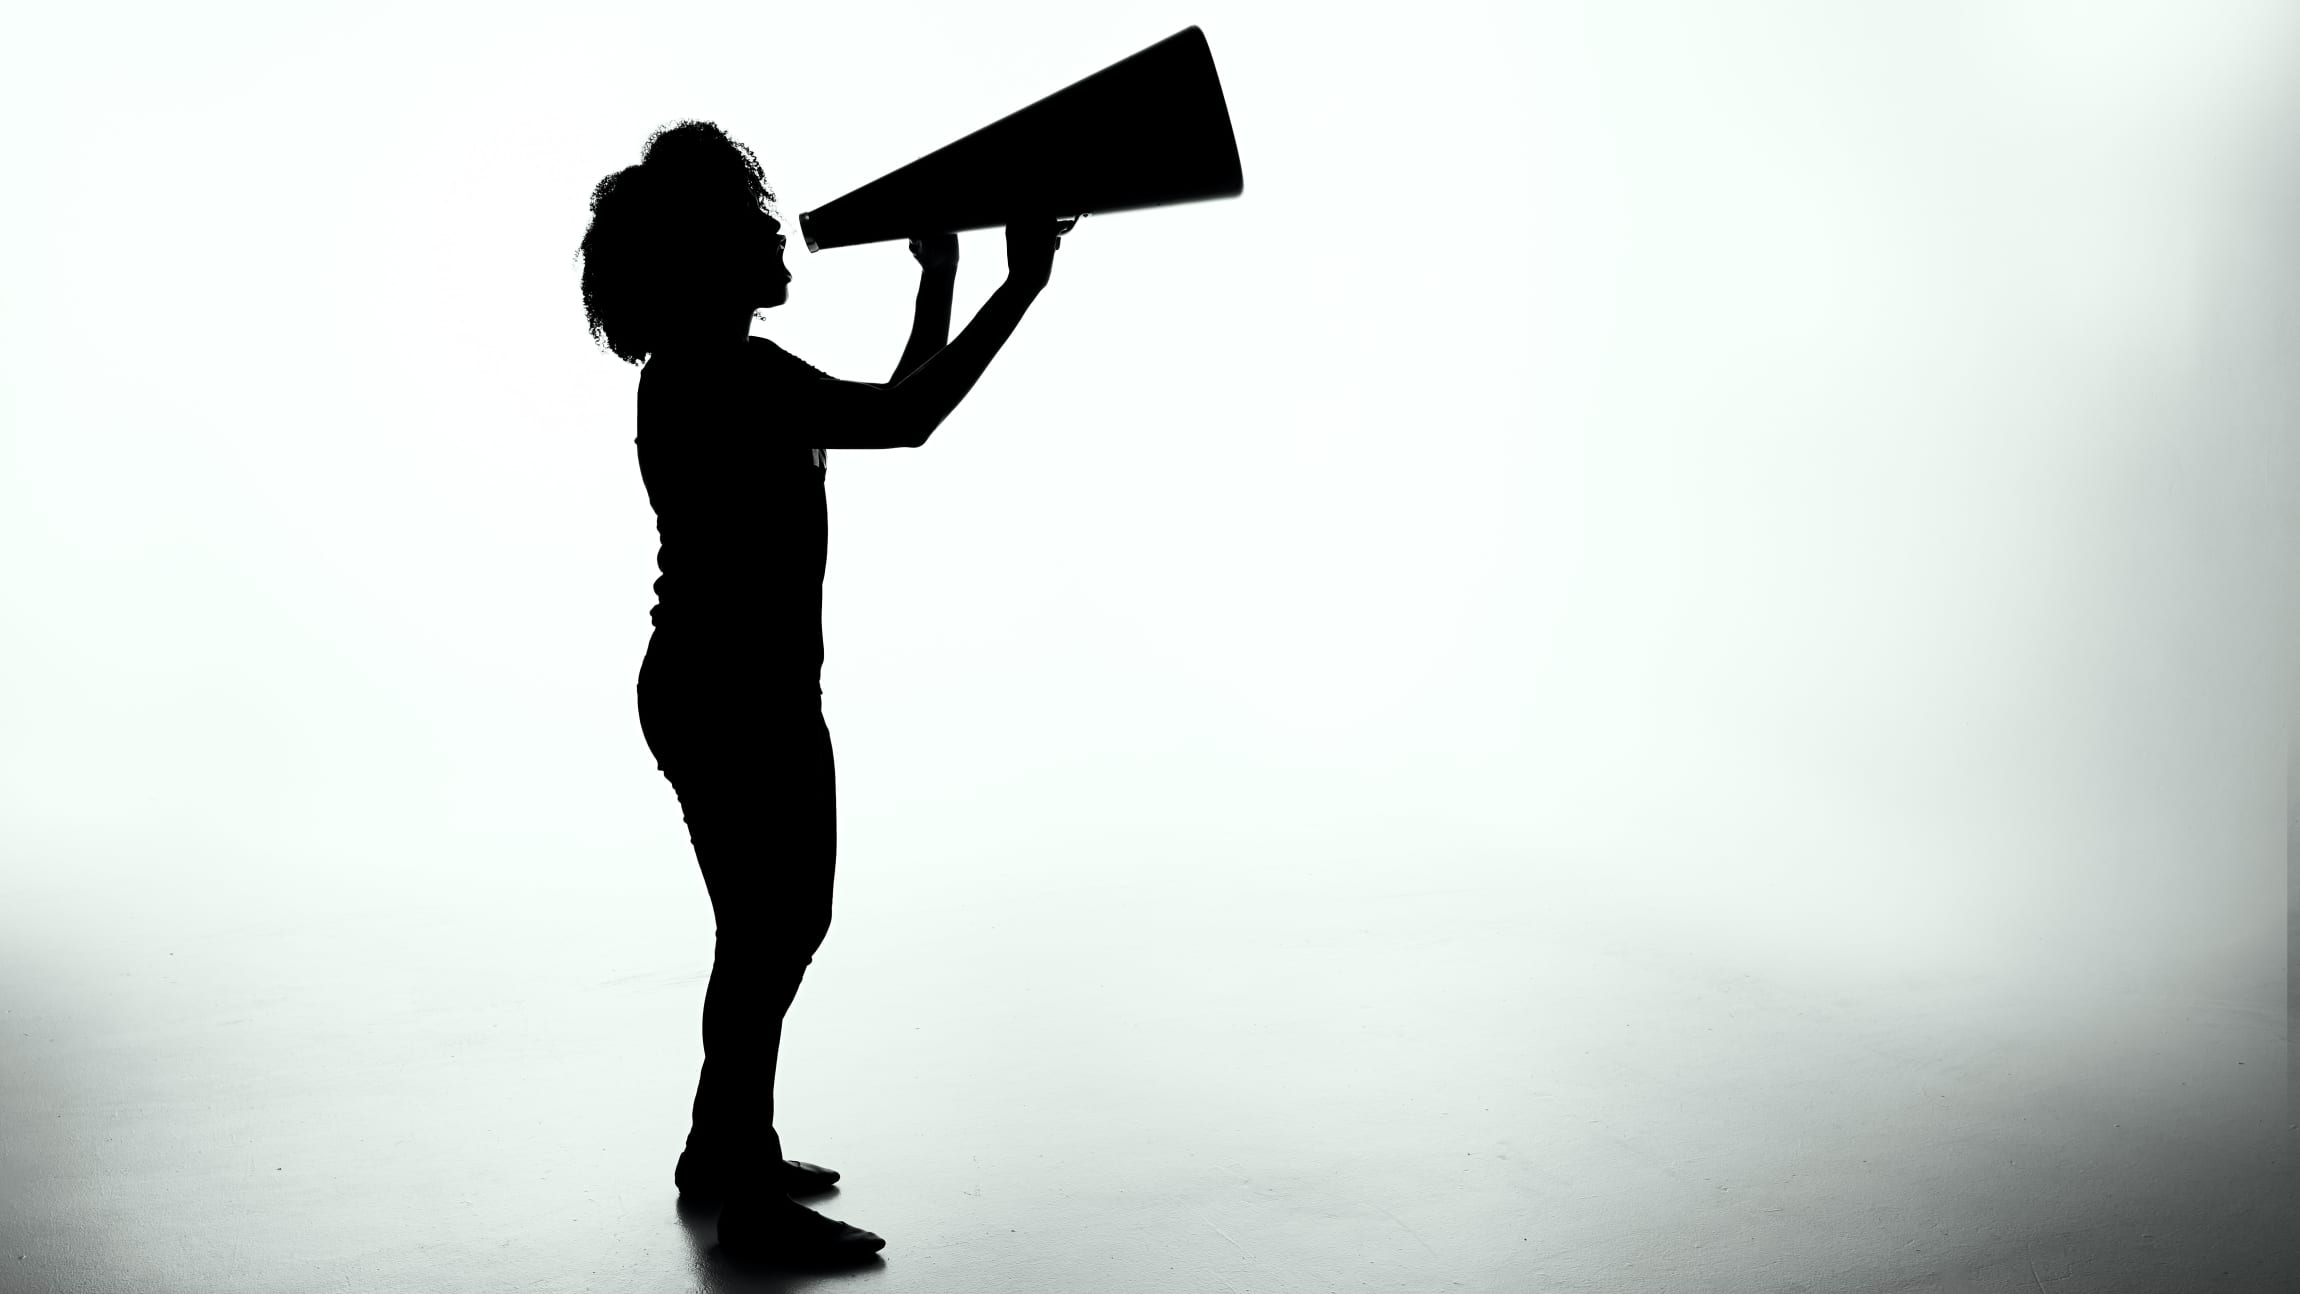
[718,1273]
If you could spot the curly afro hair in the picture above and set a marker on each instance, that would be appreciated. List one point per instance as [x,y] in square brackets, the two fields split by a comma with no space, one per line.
[652,229]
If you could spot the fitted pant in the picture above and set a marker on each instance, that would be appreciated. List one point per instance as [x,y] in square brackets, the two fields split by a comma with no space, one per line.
[753,771]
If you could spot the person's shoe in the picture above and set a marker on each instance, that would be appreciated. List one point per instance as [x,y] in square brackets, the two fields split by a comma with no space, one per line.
[801,1178]
[774,1228]
[702,1178]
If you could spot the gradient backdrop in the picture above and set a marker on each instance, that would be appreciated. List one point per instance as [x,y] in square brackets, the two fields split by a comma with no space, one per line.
[1812,473]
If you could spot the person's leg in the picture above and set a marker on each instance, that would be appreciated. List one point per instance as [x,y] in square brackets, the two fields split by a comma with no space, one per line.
[763,820]
[768,853]
[762,813]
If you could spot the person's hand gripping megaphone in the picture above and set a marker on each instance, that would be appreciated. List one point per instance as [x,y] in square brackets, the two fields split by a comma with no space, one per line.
[1030,245]
[938,253]
[935,252]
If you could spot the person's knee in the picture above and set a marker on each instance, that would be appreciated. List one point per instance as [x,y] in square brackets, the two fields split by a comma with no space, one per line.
[806,937]
[768,944]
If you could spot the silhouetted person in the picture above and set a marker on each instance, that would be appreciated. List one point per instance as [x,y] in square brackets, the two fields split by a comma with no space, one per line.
[681,250]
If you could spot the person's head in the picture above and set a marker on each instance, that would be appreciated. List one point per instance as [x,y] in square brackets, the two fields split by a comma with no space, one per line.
[687,235]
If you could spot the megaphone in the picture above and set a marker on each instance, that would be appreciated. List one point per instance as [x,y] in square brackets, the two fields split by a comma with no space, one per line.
[1150,130]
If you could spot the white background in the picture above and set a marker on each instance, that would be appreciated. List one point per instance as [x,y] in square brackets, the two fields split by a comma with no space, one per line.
[1813,470]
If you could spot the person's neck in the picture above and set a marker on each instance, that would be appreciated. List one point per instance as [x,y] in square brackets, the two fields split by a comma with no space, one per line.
[720,332]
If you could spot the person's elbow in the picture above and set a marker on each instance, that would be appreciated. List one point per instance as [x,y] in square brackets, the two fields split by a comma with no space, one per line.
[909,419]
[877,415]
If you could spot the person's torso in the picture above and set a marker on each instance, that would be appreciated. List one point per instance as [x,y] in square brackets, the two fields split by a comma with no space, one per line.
[740,511]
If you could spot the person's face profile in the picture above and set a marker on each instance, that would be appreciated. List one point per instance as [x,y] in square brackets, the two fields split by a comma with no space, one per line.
[773,286]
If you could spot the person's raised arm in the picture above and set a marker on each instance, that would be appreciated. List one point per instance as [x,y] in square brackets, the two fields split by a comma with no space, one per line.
[937,257]
[903,414]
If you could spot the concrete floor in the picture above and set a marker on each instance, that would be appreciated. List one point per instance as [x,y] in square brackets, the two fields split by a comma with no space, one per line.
[1348,1069]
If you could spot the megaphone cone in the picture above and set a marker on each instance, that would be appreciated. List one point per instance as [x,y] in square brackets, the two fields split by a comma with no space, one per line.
[1150,130]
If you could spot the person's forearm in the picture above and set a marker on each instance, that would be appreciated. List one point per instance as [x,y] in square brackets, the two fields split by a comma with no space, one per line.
[934,388]
[930,324]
